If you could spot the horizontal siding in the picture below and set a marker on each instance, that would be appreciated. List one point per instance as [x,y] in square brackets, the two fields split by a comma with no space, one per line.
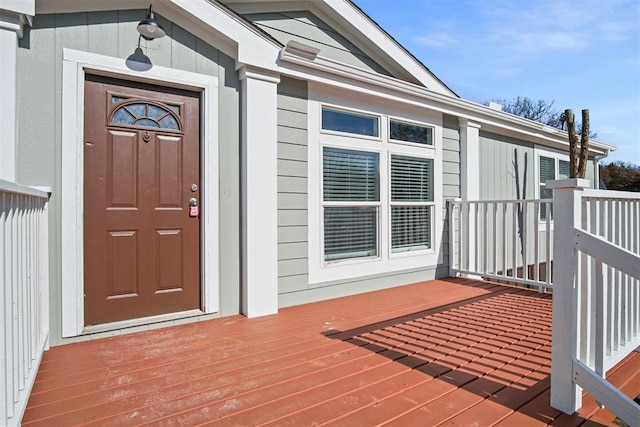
[40,118]
[293,234]
[450,177]
[293,258]
[305,27]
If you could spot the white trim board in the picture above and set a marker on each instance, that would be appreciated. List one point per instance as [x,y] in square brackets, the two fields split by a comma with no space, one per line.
[74,67]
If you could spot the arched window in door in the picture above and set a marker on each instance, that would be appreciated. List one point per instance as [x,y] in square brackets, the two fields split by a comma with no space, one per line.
[136,112]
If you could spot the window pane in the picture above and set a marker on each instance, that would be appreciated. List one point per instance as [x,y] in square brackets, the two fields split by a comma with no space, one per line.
[350,175]
[344,121]
[123,116]
[545,193]
[411,179]
[156,112]
[169,122]
[401,131]
[563,169]
[547,169]
[350,232]
[147,122]
[139,110]
[410,228]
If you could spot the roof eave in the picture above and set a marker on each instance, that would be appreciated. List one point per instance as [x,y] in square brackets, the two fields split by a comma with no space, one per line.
[315,67]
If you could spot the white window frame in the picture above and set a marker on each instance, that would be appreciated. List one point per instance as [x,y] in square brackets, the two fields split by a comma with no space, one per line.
[556,156]
[321,271]
[410,122]
[350,134]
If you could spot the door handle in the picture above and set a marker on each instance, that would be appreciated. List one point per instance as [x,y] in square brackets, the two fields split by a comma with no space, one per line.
[193,201]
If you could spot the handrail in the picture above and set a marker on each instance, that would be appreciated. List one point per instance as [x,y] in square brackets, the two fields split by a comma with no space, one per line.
[23,190]
[24,294]
[596,297]
[504,240]
[614,255]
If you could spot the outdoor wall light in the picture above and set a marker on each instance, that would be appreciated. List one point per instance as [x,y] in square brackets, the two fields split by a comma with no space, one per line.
[149,28]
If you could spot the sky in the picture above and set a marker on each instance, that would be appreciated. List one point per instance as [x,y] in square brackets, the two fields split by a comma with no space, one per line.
[575,53]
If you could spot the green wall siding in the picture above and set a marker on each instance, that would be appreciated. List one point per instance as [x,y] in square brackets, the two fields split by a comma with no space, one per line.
[293,258]
[305,27]
[450,176]
[40,120]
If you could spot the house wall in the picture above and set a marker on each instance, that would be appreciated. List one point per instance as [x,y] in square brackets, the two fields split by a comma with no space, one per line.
[507,168]
[450,176]
[40,120]
[507,172]
[305,27]
[293,247]
[294,227]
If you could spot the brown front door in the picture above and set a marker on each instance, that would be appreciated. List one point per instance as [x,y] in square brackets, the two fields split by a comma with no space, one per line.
[141,169]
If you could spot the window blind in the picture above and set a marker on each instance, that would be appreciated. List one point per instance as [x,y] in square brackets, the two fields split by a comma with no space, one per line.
[547,169]
[410,228]
[563,169]
[411,179]
[411,190]
[350,232]
[350,175]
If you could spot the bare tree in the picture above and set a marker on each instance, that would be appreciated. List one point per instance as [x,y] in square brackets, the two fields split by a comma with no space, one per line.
[540,111]
[577,154]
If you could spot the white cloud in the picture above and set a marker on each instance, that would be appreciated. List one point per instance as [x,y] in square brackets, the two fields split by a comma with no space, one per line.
[610,130]
[507,72]
[437,40]
[531,27]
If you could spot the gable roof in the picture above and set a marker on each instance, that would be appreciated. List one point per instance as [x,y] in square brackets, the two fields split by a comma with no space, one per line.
[354,25]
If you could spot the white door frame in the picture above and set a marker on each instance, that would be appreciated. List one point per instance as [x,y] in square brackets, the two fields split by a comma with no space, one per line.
[74,67]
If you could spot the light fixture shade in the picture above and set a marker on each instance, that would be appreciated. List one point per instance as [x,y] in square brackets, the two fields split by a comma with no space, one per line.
[149,28]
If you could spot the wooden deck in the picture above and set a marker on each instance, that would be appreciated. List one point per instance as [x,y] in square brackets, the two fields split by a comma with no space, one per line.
[454,352]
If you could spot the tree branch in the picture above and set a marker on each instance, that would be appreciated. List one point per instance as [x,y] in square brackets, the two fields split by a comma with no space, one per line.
[573,143]
[584,144]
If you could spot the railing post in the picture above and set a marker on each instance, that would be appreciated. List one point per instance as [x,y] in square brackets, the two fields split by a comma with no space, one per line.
[454,244]
[565,393]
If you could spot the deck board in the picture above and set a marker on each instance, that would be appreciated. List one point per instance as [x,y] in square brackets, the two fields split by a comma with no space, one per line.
[454,351]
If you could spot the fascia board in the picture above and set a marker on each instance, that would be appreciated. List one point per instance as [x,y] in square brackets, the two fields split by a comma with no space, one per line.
[253,48]
[208,20]
[22,7]
[326,71]
[263,6]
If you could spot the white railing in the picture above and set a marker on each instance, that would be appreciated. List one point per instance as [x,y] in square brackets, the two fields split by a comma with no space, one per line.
[505,240]
[24,294]
[596,298]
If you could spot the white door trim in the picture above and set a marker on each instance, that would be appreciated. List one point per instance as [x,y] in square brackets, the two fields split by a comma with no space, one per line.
[74,67]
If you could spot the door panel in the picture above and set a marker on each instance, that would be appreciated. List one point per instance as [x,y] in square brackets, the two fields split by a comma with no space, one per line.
[141,247]
[122,161]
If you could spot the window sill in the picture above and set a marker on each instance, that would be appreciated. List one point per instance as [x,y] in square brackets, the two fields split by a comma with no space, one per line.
[356,268]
